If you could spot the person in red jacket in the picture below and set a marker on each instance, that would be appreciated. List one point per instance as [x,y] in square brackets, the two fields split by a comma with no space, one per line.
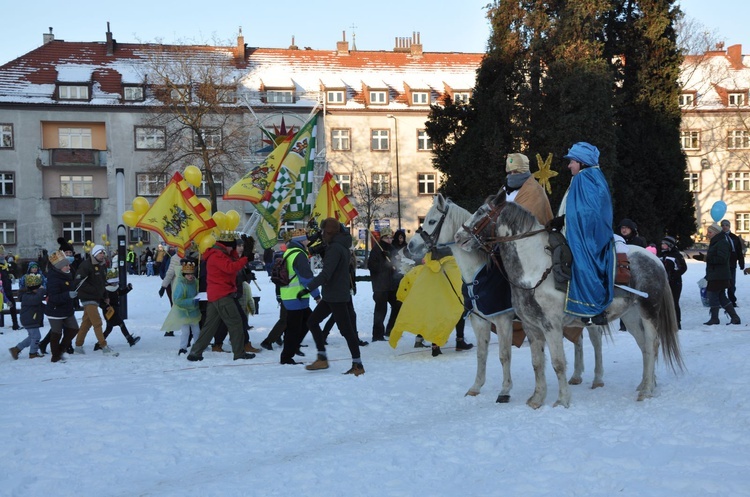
[222,264]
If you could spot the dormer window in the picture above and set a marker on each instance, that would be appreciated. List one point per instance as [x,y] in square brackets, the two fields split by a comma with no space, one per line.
[132,93]
[736,99]
[73,92]
[461,97]
[687,100]
[336,97]
[279,96]
[378,97]
[420,98]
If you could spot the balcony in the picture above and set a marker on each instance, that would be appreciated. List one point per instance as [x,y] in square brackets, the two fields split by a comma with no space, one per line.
[81,157]
[75,206]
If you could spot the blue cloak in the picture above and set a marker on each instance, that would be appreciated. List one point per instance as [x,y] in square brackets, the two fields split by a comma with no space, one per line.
[588,228]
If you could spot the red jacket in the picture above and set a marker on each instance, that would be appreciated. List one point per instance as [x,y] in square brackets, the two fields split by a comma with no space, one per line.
[222,265]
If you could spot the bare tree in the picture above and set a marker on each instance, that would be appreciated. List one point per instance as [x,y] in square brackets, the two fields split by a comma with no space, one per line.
[195,91]
[369,202]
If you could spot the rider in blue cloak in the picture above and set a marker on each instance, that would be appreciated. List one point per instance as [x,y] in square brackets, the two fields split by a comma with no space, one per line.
[587,206]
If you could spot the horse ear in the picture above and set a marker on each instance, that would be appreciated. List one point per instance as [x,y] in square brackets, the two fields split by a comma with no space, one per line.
[439,200]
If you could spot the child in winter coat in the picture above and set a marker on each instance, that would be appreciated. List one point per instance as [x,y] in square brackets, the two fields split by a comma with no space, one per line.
[674,265]
[112,310]
[32,316]
[32,269]
[185,313]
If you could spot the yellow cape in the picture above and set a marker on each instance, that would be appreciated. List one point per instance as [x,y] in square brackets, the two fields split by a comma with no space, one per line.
[432,301]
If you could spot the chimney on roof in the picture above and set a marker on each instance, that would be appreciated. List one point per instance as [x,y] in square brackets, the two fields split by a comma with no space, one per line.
[110,42]
[47,37]
[402,44]
[734,54]
[293,46]
[342,47]
[241,50]
[416,44]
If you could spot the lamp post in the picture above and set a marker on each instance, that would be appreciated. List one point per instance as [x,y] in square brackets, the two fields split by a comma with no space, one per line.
[398,183]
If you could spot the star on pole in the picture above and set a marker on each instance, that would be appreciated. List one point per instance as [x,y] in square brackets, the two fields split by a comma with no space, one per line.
[545,173]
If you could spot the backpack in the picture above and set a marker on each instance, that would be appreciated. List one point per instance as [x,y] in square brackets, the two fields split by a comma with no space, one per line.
[279,272]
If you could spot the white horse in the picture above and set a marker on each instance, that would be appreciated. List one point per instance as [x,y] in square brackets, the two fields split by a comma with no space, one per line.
[522,244]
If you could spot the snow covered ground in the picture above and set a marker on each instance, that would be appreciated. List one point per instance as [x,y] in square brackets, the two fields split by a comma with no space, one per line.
[149,423]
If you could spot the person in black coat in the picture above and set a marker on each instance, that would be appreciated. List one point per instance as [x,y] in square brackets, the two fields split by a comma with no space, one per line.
[112,308]
[6,283]
[718,275]
[736,258]
[385,277]
[629,231]
[674,265]
[63,326]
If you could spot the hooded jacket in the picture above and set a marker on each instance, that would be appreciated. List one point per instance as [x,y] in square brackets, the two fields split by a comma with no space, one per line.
[334,277]
[222,266]
[92,278]
[59,303]
[634,238]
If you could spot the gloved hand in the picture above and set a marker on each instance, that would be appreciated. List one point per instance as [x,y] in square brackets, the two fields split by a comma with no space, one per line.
[556,224]
[248,245]
[73,294]
[130,286]
[161,291]
[699,256]
[251,276]
[303,293]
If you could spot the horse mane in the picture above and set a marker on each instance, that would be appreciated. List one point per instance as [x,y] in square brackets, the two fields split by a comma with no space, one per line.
[456,214]
[517,218]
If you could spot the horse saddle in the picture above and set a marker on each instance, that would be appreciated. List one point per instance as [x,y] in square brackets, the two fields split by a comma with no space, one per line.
[562,259]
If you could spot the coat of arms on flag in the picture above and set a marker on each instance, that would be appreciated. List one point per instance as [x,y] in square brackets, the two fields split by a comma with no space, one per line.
[332,202]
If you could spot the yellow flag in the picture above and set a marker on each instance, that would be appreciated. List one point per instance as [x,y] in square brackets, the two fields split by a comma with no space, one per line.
[177,214]
[332,202]
[258,184]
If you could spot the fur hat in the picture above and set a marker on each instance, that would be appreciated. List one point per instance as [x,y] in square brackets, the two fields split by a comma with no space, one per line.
[517,163]
[715,228]
[386,231]
[58,259]
[33,281]
[188,266]
[585,153]
[65,245]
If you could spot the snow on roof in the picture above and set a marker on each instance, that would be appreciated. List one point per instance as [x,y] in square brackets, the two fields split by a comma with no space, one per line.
[75,73]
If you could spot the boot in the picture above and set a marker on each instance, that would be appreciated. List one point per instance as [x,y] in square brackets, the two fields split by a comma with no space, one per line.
[436,350]
[266,344]
[249,348]
[43,344]
[732,314]
[356,369]
[35,356]
[714,317]
[132,340]
[320,363]
[462,344]
[14,351]
[419,343]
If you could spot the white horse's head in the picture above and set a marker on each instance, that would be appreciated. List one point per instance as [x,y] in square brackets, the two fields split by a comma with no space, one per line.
[440,224]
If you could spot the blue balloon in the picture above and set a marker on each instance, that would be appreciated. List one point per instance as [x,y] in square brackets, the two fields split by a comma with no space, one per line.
[718,210]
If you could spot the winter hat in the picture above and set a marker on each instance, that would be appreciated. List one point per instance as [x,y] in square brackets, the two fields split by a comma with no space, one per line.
[714,228]
[65,245]
[58,259]
[188,266]
[97,249]
[386,231]
[628,223]
[33,281]
[517,163]
[669,242]
[585,153]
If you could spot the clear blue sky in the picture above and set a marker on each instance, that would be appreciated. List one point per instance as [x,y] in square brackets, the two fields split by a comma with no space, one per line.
[444,25]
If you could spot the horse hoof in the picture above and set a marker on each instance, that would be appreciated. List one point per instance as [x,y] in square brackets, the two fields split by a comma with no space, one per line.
[574,381]
[471,394]
[560,403]
[597,385]
[503,399]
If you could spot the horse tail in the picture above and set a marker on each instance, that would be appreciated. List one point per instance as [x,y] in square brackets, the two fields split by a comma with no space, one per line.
[667,330]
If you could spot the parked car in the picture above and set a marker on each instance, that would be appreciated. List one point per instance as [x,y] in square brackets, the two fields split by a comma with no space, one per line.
[257,265]
[697,248]
[360,255]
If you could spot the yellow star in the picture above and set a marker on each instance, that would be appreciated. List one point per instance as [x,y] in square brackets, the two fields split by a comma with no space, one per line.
[545,173]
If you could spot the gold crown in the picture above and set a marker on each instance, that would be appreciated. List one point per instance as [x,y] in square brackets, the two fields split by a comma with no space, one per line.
[33,280]
[188,267]
[227,236]
[294,234]
[58,259]
[113,273]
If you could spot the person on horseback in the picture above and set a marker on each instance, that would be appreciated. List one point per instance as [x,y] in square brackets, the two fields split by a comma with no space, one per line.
[587,207]
[522,188]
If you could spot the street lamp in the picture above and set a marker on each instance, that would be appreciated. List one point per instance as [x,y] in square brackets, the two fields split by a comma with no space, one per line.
[398,184]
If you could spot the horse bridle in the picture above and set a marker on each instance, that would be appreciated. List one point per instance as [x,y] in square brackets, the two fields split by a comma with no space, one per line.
[431,239]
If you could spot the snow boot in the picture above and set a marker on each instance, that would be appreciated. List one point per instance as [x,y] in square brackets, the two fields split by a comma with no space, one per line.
[132,340]
[320,363]
[266,344]
[14,351]
[356,369]
[419,343]
[714,317]
[436,350]
[249,348]
[108,351]
[732,314]
[462,344]
[35,356]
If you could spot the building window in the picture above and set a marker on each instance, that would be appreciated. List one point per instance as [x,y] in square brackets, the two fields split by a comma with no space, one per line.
[736,99]
[738,182]
[340,139]
[279,96]
[345,182]
[420,98]
[150,138]
[77,186]
[211,137]
[738,138]
[424,142]
[687,100]
[335,97]
[426,183]
[132,93]
[150,184]
[461,97]
[7,232]
[202,191]
[742,222]
[6,136]
[7,184]
[71,230]
[379,97]
[73,92]
[381,183]
[180,94]
[136,235]
[380,139]
[693,182]
[74,137]
[690,140]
